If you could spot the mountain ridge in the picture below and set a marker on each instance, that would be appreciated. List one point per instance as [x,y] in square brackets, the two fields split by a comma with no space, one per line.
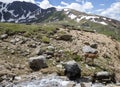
[21,12]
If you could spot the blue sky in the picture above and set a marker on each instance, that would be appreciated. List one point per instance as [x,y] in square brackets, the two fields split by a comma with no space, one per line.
[108,8]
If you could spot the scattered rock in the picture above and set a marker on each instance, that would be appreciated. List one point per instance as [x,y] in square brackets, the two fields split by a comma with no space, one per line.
[36,63]
[39,51]
[4,36]
[52,48]
[13,41]
[32,45]
[72,70]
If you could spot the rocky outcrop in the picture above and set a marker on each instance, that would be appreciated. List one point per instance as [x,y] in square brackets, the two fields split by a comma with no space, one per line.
[36,63]
[72,70]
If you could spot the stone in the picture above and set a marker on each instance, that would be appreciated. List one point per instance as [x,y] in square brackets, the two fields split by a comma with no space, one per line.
[36,63]
[13,41]
[104,76]
[49,53]
[39,51]
[32,45]
[59,66]
[72,70]
[52,48]
[71,84]
[65,37]
[88,49]
[4,36]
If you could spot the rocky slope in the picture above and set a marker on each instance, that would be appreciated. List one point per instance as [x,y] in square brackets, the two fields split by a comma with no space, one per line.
[58,45]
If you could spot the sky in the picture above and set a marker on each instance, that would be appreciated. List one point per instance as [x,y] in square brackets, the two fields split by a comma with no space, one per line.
[107,8]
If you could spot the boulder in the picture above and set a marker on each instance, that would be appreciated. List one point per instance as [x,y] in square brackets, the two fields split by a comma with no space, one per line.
[3,36]
[72,70]
[88,49]
[104,76]
[36,63]
[65,37]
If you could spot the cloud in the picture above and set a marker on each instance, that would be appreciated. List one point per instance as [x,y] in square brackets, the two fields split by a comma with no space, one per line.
[102,4]
[45,4]
[82,1]
[99,10]
[64,3]
[113,11]
[76,6]
[9,1]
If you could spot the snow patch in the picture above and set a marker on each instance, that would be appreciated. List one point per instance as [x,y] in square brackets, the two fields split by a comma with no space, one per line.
[103,23]
[66,9]
[72,16]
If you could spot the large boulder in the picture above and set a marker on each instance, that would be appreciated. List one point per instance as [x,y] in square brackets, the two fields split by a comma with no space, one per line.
[72,70]
[36,63]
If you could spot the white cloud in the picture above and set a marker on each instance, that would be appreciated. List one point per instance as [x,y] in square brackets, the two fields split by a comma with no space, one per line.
[64,3]
[82,1]
[45,4]
[113,11]
[9,1]
[102,4]
[99,10]
[76,6]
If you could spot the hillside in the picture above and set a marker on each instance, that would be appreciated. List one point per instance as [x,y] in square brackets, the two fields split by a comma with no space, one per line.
[19,42]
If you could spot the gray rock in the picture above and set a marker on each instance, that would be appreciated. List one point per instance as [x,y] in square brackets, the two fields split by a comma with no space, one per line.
[13,41]
[52,48]
[49,53]
[39,51]
[88,49]
[36,63]
[72,70]
[4,36]
[104,76]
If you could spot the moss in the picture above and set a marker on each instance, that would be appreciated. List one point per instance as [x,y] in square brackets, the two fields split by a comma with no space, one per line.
[77,58]
[45,39]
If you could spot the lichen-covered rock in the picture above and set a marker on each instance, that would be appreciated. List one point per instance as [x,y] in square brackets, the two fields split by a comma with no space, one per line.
[36,63]
[72,70]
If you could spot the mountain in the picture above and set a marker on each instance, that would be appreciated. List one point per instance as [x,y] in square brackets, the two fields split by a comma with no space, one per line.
[20,12]
[25,12]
